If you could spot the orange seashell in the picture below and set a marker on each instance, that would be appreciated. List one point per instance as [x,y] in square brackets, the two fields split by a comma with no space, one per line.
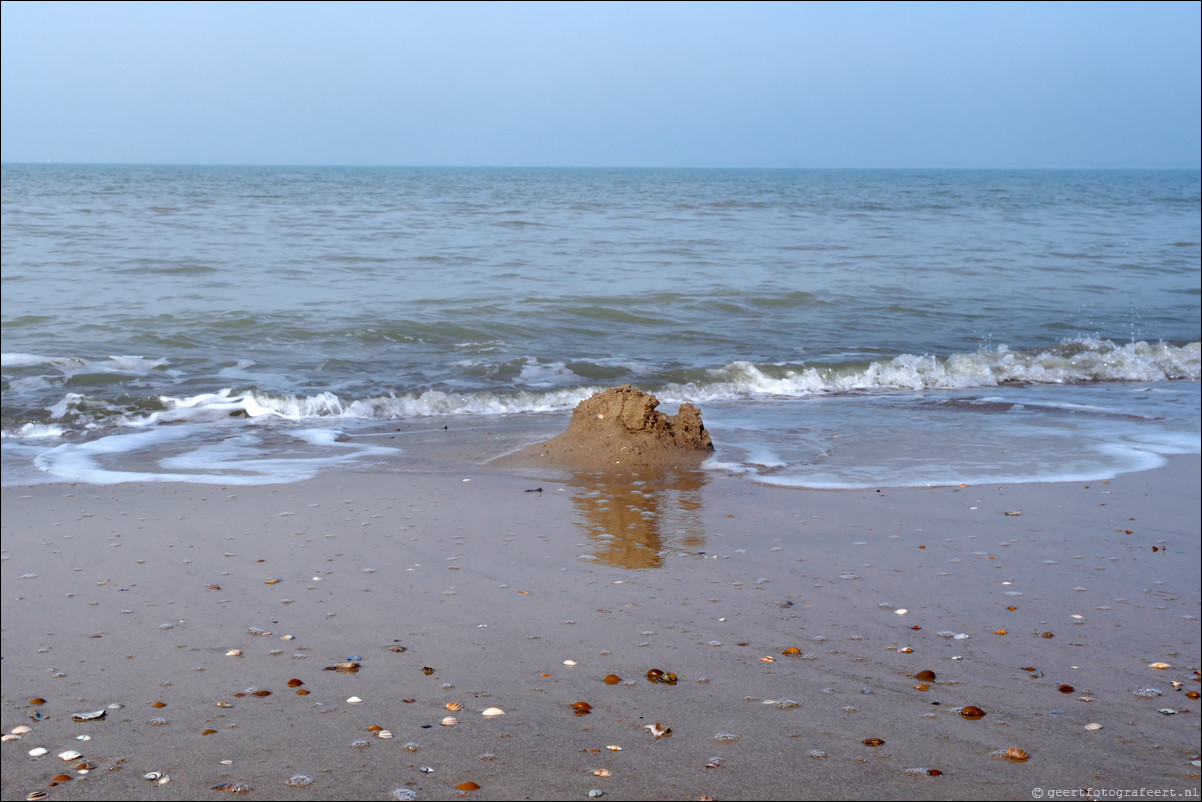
[1066,689]
[37,700]
[61,778]
[159,704]
[1192,694]
[295,683]
[921,687]
[873,742]
[1014,753]
[468,786]
[544,676]
[612,679]
[925,676]
[972,712]
[767,659]
[261,693]
[301,692]
[916,627]
[654,674]
[581,706]
[999,632]
[209,731]
[1046,635]
[374,728]
[792,651]
[667,679]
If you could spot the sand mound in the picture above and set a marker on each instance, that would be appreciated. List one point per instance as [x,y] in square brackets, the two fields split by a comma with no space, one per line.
[620,428]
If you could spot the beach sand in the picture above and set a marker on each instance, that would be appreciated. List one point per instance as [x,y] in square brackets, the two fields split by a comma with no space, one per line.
[524,589]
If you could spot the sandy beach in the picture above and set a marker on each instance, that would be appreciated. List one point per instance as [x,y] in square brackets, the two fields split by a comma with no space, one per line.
[796,623]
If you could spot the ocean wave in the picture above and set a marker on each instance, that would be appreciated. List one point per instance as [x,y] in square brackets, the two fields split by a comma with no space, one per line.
[549,387]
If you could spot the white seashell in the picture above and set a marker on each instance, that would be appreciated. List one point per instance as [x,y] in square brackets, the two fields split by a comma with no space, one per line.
[88,716]
[1094,727]
[38,751]
[492,711]
[569,662]
[353,700]
[83,737]
[234,653]
[901,611]
[385,734]
[449,721]
[601,773]
[614,748]
[70,754]
[116,706]
[1159,666]
[21,730]
[9,737]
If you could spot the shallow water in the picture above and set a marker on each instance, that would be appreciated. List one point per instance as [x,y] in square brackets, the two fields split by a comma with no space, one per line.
[837,328]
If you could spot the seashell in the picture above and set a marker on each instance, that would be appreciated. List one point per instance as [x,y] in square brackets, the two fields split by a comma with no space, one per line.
[427,671]
[786,704]
[925,676]
[271,582]
[224,704]
[1046,635]
[157,722]
[767,659]
[667,679]
[972,712]
[614,748]
[1148,693]
[404,794]
[8,736]
[1094,727]
[295,683]
[924,772]
[35,795]
[874,742]
[922,687]
[384,735]
[449,721]
[37,700]
[69,755]
[596,792]
[83,766]
[817,754]
[654,674]
[353,700]
[1016,754]
[658,730]
[726,737]
[454,707]
[232,788]
[492,711]
[158,704]
[299,781]
[581,706]
[209,731]
[301,692]
[569,662]
[38,751]
[468,786]
[60,778]
[1066,689]
[234,653]
[1159,666]
[345,667]
[999,632]
[792,651]
[1188,694]
[601,773]
[612,679]
[88,716]
[21,729]
[905,650]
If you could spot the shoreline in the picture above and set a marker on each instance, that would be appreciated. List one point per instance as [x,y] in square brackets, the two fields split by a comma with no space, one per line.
[493,583]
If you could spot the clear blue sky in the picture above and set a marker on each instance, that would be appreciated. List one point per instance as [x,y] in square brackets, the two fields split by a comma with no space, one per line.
[742,84]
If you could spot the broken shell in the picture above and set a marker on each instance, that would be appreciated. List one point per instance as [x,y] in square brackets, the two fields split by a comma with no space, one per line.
[873,742]
[347,667]
[454,707]
[233,788]
[972,712]
[1014,753]
[924,772]
[449,721]
[601,773]
[905,650]
[88,716]
[492,711]
[658,730]
[612,679]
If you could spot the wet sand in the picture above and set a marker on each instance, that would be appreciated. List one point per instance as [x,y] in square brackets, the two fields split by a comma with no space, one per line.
[133,594]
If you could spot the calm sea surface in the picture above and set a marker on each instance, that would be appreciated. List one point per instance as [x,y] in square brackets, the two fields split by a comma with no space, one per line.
[837,328]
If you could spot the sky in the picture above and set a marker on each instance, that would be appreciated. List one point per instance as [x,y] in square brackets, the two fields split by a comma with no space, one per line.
[640,84]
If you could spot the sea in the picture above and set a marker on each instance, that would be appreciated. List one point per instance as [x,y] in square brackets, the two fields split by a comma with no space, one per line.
[241,325]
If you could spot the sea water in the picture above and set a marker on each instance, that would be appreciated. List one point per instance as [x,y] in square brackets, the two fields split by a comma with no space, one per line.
[837,328]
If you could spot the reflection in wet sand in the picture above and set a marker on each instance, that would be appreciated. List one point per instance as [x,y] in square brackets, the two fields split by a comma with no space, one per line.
[630,519]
